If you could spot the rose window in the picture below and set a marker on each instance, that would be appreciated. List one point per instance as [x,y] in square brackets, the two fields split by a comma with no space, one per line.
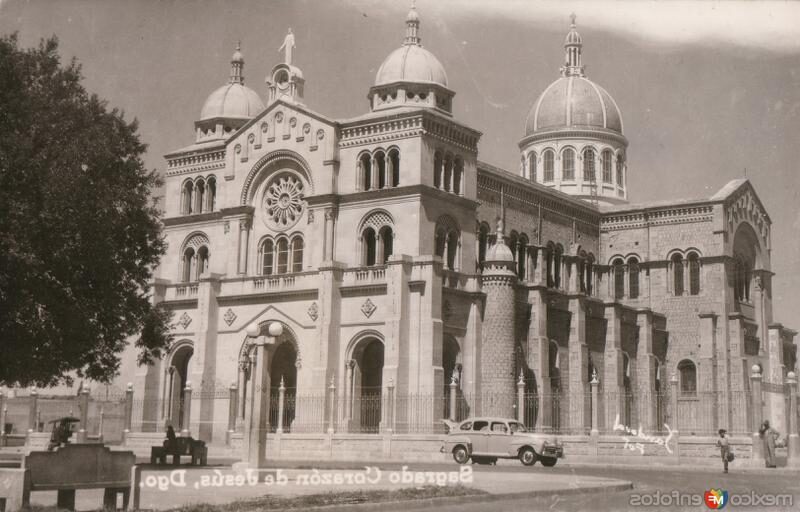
[283,201]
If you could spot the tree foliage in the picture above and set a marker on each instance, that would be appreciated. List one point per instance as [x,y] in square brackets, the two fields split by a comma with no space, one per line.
[79,230]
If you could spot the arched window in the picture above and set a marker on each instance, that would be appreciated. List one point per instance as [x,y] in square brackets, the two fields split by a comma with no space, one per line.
[365,169]
[188,197]
[619,278]
[559,251]
[532,166]
[297,254]
[694,274]
[568,163]
[452,250]
[199,196]
[548,166]
[620,167]
[283,256]
[440,242]
[522,256]
[370,246]
[211,202]
[589,275]
[202,262]
[483,242]
[267,257]
[588,165]
[448,173]
[458,175]
[387,240]
[380,161]
[394,164]
[607,158]
[188,262]
[633,278]
[677,274]
[437,170]
[688,377]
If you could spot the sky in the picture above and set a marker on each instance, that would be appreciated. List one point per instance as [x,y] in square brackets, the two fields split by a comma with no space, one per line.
[709,91]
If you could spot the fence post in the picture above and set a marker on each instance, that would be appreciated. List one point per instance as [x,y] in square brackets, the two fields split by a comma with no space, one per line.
[126,429]
[281,400]
[595,406]
[757,401]
[673,398]
[390,408]
[83,404]
[32,410]
[521,397]
[3,415]
[187,409]
[793,459]
[331,406]
[100,426]
[233,406]
[453,387]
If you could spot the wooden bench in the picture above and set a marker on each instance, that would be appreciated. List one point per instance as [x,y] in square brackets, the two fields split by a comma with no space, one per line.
[183,446]
[79,466]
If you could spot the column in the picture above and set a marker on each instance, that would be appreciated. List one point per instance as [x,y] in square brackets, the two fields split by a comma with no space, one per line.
[233,407]
[577,385]
[187,409]
[375,178]
[257,421]
[595,405]
[538,355]
[613,367]
[330,221]
[332,406]
[793,459]
[645,385]
[673,399]
[776,405]
[757,399]
[452,398]
[33,407]
[348,394]
[521,397]
[244,241]
[83,403]
[128,410]
[707,373]
[281,401]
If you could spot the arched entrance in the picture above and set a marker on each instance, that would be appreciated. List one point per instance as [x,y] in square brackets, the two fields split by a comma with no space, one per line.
[178,374]
[283,368]
[367,384]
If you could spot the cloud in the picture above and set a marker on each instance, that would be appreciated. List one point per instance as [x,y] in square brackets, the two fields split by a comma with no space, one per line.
[769,25]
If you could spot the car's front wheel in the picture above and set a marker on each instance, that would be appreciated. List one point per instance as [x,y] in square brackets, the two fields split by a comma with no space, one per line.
[460,454]
[549,461]
[527,456]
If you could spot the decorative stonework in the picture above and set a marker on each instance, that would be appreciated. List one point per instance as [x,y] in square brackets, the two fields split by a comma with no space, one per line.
[310,216]
[746,208]
[368,308]
[184,320]
[283,201]
[229,317]
[313,311]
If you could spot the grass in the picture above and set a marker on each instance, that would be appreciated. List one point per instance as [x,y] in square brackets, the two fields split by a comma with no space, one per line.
[334,498]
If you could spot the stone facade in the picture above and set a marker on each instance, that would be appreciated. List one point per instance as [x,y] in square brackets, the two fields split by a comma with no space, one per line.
[374,242]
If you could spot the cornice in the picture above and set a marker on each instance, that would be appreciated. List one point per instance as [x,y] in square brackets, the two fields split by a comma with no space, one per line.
[657,217]
[208,160]
[574,133]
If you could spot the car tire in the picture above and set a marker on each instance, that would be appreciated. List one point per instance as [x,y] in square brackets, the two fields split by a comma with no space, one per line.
[549,461]
[460,454]
[527,456]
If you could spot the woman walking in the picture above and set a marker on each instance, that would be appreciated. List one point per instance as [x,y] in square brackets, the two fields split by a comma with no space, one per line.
[768,436]
[724,448]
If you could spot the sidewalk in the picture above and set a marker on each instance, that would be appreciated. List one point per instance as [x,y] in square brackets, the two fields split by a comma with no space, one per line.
[167,488]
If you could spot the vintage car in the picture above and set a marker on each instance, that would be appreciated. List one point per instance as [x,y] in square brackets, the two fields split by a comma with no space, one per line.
[485,440]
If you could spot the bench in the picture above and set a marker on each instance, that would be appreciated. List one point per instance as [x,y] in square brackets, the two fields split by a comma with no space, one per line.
[79,466]
[182,446]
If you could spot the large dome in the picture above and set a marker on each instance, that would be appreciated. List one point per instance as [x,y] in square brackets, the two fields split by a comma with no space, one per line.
[411,63]
[574,102]
[232,100]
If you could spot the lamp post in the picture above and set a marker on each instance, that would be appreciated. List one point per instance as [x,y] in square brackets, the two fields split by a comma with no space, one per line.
[257,422]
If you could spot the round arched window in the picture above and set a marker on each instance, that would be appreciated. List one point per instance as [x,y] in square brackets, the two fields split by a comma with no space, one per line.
[283,201]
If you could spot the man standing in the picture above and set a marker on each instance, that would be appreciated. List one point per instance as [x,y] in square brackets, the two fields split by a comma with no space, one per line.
[724,448]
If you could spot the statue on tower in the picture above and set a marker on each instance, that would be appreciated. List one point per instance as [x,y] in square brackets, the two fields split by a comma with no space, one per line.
[288,45]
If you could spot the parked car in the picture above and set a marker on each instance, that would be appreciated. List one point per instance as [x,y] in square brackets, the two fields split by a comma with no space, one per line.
[484,440]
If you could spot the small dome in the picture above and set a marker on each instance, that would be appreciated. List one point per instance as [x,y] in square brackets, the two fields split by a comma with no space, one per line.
[232,100]
[499,252]
[411,63]
[574,102]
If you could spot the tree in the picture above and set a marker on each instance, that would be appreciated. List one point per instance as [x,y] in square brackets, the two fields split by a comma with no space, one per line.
[80,233]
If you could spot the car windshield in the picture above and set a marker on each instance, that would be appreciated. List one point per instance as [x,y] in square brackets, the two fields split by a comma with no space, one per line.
[517,427]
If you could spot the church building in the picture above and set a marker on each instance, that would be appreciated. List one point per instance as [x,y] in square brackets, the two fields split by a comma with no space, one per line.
[403,269]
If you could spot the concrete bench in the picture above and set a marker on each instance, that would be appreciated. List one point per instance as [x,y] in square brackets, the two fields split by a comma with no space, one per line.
[182,446]
[66,470]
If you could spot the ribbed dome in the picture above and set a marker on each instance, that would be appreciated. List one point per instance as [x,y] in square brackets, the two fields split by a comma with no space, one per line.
[499,252]
[411,63]
[232,100]
[574,102]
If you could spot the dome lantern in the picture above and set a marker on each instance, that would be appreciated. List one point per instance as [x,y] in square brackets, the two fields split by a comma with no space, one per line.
[573,45]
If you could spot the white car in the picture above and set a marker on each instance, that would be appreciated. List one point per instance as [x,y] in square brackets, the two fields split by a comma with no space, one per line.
[485,440]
